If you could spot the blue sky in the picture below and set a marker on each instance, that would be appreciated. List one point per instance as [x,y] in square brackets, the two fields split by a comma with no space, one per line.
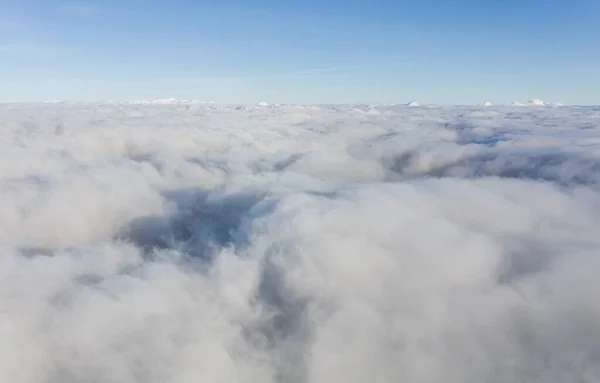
[328,51]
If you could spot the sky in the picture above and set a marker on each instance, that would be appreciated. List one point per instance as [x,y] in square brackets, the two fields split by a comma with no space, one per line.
[233,51]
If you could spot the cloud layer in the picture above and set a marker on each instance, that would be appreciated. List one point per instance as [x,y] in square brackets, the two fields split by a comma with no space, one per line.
[198,242]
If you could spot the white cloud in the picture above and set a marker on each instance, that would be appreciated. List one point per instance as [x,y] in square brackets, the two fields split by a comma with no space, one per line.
[193,241]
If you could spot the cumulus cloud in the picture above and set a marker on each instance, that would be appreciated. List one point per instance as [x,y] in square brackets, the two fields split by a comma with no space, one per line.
[188,241]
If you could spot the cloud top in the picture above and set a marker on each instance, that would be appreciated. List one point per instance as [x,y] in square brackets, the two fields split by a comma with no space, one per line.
[185,242]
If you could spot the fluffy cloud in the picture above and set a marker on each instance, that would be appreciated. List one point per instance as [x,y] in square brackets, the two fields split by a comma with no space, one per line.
[195,242]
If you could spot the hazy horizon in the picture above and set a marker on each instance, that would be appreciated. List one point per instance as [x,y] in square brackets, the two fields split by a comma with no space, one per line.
[413,103]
